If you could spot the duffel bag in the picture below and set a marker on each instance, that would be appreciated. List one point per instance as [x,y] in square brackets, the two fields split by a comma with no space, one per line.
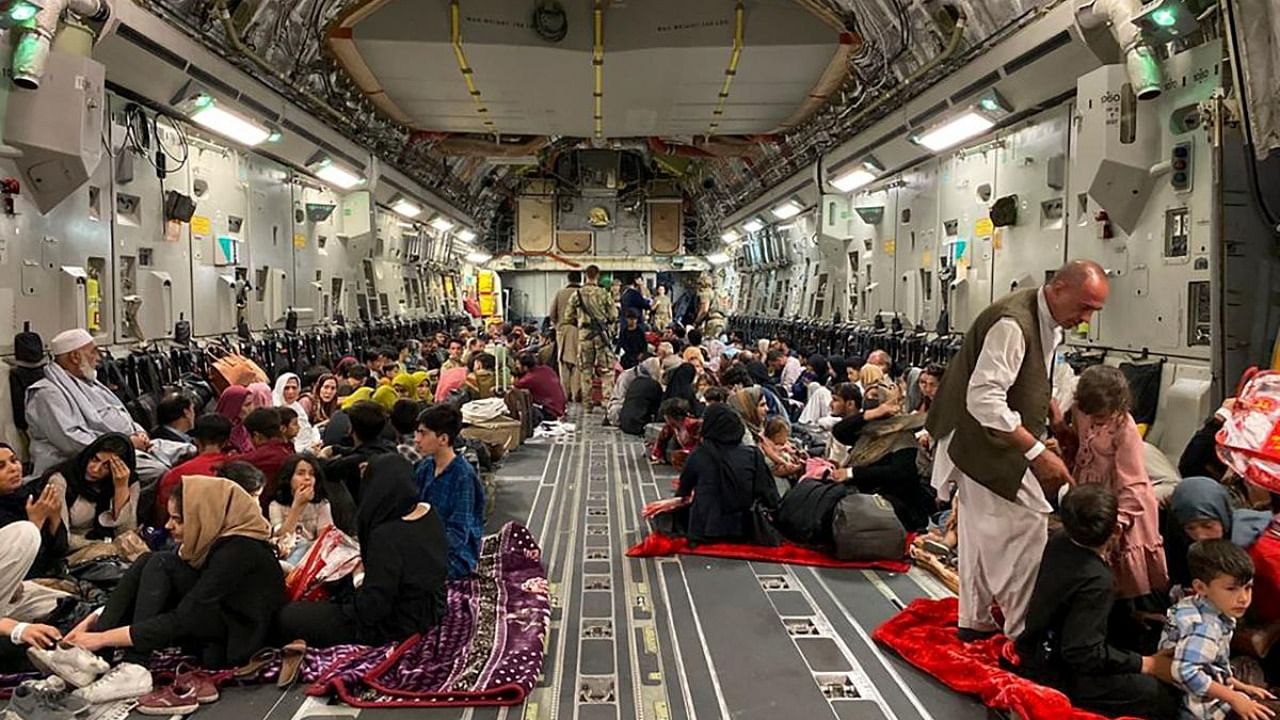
[865,527]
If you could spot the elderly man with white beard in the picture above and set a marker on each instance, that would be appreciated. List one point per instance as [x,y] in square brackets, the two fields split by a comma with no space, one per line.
[69,408]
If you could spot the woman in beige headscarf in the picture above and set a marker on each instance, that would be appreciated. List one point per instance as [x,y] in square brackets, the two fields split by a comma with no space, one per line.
[750,405]
[870,376]
[217,596]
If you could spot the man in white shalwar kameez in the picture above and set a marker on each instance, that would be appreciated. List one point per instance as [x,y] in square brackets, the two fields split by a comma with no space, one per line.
[990,419]
[69,408]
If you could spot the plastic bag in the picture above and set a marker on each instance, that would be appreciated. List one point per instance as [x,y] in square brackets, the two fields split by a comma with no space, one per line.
[1249,441]
[333,556]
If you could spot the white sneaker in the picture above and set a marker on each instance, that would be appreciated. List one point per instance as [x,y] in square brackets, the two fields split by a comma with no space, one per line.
[125,681]
[53,683]
[72,663]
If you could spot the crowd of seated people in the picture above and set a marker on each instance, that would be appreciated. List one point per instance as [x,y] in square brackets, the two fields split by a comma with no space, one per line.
[1132,612]
[1136,602]
[190,547]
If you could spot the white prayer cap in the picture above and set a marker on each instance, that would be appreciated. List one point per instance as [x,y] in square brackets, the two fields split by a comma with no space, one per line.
[68,340]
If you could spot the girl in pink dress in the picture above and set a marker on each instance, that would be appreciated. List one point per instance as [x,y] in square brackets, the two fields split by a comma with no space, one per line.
[1109,451]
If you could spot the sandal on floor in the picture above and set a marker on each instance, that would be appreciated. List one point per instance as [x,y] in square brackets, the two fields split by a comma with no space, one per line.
[260,660]
[291,665]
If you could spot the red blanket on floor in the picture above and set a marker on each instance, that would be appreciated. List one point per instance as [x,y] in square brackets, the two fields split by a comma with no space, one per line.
[924,634]
[659,545]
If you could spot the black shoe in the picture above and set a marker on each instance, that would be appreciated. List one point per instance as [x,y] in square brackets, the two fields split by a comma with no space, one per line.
[968,635]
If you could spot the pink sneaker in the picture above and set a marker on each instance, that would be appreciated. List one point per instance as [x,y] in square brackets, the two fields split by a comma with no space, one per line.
[175,699]
[205,684]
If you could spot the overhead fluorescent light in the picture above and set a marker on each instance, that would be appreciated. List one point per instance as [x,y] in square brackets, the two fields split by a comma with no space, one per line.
[442,223]
[478,258]
[407,225]
[466,235]
[787,210]
[754,225]
[208,114]
[718,258]
[965,125]
[336,175]
[955,131]
[730,236]
[405,208]
[855,177]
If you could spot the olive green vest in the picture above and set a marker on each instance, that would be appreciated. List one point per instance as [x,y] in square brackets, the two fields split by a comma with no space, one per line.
[982,454]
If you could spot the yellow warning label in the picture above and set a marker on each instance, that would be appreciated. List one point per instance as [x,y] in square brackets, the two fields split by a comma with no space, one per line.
[531,711]
[926,259]
[890,246]
[299,241]
[660,711]
[984,227]
[650,641]
[997,238]
[200,225]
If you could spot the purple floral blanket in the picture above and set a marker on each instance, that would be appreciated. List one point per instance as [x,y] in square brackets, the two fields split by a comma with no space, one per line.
[488,650]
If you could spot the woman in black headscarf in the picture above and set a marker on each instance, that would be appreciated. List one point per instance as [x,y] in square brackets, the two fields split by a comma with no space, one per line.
[682,384]
[819,368]
[725,490]
[102,491]
[406,562]
[839,373]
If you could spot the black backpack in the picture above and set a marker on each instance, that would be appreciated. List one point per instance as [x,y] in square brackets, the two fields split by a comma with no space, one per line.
[806,513]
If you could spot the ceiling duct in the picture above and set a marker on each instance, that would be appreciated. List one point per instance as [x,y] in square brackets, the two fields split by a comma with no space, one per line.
[829,84]
[472,146]
[720,146]
[1140,60]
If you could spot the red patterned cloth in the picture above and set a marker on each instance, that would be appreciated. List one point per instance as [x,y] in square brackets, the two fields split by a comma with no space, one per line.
[924,634]
[659,545]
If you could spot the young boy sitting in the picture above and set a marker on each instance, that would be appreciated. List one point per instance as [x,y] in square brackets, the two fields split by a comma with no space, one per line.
[1198,631]
[680,435]
[1065,643]
[449,484]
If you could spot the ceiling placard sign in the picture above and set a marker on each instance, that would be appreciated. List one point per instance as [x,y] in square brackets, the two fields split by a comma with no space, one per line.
[665,225]
[574,242]
[535,223]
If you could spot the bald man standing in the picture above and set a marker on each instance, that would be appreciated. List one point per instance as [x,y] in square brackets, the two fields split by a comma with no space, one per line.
[991,417]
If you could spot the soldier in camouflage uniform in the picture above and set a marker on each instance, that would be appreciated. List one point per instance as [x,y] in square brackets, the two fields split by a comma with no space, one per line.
[709,317]
[597,315]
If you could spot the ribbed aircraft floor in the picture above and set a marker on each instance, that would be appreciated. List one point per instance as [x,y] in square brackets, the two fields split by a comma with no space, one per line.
[672,639]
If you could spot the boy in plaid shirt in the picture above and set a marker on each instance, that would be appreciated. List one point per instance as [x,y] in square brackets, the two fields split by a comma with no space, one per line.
[1198,631]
